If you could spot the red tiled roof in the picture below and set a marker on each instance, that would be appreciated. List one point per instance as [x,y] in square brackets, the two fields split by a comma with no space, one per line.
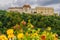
[27,6]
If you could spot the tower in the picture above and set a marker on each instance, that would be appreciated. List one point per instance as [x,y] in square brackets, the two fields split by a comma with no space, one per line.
[27,8]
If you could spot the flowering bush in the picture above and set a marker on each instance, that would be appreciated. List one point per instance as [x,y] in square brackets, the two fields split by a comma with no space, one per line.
[28,33]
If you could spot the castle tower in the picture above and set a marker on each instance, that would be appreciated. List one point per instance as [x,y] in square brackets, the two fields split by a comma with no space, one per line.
[26,8]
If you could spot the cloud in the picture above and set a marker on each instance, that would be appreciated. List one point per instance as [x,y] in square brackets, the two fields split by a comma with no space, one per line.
[4,4]
[47,2]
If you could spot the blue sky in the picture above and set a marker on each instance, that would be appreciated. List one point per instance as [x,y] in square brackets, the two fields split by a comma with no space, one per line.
[5,4]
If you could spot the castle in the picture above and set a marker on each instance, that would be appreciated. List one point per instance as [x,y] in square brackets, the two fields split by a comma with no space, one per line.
[27,9]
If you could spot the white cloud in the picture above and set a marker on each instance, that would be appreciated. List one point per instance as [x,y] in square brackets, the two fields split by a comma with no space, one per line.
[45,0]
[13,3]
[5,2]
[33,6]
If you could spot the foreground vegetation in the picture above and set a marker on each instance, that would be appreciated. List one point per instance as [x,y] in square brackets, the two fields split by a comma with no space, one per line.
[10,19]
[23,32]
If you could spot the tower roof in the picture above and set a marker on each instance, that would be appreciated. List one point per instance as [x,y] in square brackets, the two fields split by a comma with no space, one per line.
[27,6]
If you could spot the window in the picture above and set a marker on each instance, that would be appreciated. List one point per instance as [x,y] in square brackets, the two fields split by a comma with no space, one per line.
[41,12]
[35,12]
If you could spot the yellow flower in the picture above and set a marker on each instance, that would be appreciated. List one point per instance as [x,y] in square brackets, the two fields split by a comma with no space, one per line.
[34,35]
[20,35]
[49,28]
[55,37]
[3,37]
[10,31]
[44,32]
[11,36]
[47,33]
[27,34]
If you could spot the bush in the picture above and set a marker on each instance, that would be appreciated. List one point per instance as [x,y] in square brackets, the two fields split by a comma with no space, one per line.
[10,19]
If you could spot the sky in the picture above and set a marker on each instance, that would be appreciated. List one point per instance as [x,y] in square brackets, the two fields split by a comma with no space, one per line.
[5,4]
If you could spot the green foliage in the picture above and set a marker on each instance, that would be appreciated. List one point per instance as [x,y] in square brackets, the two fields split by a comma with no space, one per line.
[10,19]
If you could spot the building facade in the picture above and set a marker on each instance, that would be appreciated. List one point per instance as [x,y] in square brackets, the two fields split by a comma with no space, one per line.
[45,10]
[28,9]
